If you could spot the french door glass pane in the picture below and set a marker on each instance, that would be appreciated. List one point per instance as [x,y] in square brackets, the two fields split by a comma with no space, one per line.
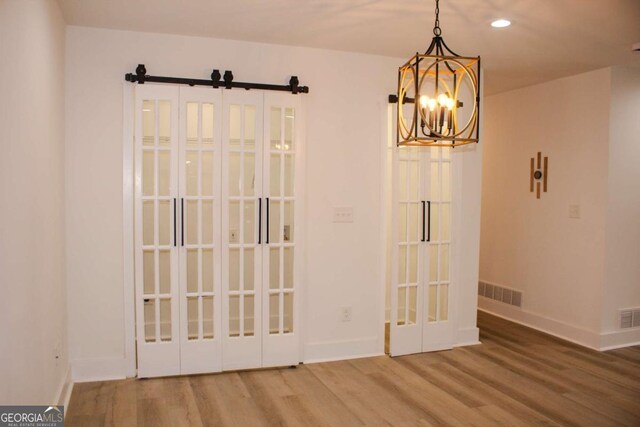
[413,304]
[288,268]
[274,268]
[207,123]
[164,268]
[207,270]
[148,122]
[192,270]
[148,173]
[164,222]
[148,272]
[249,311]
[207,317]
[192,318]
[274,310]
[289,118]
[288,313]
[150,320]
[165,319]
[402,304]
[164,123]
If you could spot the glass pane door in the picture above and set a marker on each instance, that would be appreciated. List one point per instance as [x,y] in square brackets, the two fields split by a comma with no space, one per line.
[280,296]
[242,132]
[408,222]
[156,158]
[438,329]
[200,254]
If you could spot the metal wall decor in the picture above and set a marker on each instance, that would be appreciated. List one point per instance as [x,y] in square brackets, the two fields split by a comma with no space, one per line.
[438,96]
[539,173]
[217,80]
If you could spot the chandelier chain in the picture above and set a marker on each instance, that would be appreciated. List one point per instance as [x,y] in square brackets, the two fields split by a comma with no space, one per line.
[436,28]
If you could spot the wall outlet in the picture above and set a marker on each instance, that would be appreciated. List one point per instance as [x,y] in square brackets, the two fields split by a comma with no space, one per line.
[346,314]
[343,214]
[574,211]
[233,235]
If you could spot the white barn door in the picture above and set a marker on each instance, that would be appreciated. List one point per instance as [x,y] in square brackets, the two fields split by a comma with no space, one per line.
[218,236]
[156,234]
[200,246]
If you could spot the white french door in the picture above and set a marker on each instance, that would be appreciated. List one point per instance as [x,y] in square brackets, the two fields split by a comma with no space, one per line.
[421,236]
[199,173]
[217,236]
[282,252]
[156,254]
[242,281]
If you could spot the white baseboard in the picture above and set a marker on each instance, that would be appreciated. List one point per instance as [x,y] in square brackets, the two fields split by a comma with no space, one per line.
[341,350]
[544,324]
[64,391]
[85,370]
[467,336]
[619,339]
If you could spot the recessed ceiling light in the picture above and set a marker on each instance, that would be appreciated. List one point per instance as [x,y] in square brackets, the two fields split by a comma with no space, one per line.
[500,23]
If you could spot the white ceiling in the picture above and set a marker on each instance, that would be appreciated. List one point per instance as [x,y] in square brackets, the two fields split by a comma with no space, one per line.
[547,39]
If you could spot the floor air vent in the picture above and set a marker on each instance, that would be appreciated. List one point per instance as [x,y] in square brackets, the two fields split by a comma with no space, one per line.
[630,318]
[500,294]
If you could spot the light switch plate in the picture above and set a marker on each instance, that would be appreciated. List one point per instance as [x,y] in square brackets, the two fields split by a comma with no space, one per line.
[343,214]
[574,211]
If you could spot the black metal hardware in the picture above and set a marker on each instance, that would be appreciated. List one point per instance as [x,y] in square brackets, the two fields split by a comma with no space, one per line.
[267,239]
[228,79]
[259,220]
[215,78]
[175,232]
[182,220]
[141,77]
[428,221]
[424,228]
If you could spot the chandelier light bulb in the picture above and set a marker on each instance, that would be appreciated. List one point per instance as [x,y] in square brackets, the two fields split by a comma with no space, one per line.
[443,99]
[450,103]
[424,100]
[432,104]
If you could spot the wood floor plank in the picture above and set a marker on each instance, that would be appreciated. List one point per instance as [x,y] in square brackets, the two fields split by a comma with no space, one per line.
[516,377]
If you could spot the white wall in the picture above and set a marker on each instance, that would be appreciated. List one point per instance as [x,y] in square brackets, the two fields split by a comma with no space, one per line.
[532,245]
[575,274]
[348,92]
[33,319]
[622,270]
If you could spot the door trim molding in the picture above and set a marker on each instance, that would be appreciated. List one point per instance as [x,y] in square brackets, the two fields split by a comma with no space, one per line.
[129,312]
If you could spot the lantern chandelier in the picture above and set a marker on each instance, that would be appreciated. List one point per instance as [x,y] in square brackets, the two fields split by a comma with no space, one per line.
[438,96]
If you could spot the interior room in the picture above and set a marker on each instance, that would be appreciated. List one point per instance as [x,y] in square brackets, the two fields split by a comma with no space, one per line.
[400,212]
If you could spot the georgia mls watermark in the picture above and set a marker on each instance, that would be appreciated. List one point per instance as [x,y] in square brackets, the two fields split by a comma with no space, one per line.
[31,416]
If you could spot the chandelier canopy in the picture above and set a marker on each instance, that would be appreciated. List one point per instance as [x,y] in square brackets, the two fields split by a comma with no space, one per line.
[438,96]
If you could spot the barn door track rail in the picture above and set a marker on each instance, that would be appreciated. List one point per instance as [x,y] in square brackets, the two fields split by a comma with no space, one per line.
[217,80]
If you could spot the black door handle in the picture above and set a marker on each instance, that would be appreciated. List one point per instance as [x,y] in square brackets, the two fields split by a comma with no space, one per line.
[424,208]
[267,239]
[182,220]
[175,223]
[428,221]
[259,220]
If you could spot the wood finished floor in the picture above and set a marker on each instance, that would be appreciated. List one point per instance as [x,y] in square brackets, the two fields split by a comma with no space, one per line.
[518,376]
